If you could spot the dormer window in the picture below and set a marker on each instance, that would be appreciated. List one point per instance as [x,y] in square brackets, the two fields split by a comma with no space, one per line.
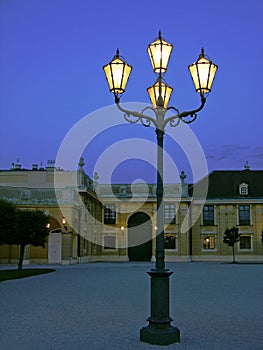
[243,189]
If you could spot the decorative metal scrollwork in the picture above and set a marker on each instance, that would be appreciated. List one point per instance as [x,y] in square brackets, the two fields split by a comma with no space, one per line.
[159,121]
[135,119]
[174,122]
[145,122]
[189,121]
[131,118]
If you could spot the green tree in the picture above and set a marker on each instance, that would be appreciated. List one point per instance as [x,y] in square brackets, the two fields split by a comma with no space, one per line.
[22,228]
[31,229]
[231,237]
[7,222]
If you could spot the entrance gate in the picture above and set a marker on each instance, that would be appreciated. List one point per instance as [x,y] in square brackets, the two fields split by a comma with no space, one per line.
[140,237]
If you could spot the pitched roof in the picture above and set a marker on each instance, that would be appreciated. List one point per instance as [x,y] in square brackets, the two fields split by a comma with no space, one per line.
[225,184]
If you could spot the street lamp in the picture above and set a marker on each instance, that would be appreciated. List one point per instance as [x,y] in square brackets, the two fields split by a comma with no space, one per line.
[159,330]
[63,221]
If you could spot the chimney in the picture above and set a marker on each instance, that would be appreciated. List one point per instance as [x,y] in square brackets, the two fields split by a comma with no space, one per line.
[50,165]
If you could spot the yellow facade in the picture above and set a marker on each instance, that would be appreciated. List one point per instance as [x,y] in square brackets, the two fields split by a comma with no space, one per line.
[66,243]
[226,216]
[103,222]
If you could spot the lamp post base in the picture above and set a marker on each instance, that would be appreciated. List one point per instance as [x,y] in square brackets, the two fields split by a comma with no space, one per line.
[160,331]
[157,334]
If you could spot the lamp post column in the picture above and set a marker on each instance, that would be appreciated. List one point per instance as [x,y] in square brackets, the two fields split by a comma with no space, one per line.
[160,331]
[159,254]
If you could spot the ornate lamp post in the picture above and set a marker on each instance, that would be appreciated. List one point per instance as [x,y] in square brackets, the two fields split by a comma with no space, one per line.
[159,330]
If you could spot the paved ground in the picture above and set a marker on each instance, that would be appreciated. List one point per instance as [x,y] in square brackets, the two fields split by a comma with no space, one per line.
[102,306]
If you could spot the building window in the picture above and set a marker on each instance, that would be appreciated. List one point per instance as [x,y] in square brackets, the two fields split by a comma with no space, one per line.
[110,214]
[208,242]
[208,215]
[244,214]
[243,189]
[169,214]
[170,241]
[109,242]
[245,242]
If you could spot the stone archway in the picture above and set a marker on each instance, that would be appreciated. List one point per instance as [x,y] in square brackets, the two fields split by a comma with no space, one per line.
[140,237]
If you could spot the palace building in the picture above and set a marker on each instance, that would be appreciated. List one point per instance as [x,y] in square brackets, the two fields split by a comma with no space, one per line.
[234,198]
[89,221]
[69,222]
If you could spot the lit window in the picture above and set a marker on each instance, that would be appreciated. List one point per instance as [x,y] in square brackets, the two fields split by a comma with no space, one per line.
[169,241]
[110,242]
[208,215]
[169,213]
[208,242]
[244,214]
[245,242]
[110,214]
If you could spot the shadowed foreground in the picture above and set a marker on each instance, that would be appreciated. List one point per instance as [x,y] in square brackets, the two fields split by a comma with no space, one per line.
[103,306]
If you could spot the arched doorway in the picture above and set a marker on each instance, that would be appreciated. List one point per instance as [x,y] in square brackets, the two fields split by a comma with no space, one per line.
[51,253]
[140,237]
[54,242]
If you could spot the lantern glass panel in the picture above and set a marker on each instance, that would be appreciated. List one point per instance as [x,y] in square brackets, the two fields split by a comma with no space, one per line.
[213,69]
[107,70]
[151,93]
[160,94]
[159,52]
[203,72]
[117,73]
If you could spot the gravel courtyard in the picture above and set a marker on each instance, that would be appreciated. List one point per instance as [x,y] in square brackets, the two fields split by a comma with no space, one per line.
[102,306]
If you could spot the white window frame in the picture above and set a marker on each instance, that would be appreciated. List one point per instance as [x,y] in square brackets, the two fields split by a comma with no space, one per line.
[241,187]
[250,214]
[202,242]
[110,205]
[168,207]
[202,216]
[109,249]
[176,241]
[251,243]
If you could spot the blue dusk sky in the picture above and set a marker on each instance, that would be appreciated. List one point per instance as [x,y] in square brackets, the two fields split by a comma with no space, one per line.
[52,53]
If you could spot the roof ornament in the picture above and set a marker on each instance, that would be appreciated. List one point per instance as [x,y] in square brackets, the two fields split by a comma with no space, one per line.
[247,166]
[95,178]
[81,163]
[183,177]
